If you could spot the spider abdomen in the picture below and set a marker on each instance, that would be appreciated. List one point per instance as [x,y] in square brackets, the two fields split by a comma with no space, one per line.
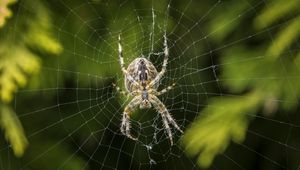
[142,71]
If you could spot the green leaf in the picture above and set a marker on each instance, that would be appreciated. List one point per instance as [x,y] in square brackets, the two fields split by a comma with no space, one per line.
[274,12]
[18,61]
[223,25]
[4,11]
[39,35]
[297,60]
[15,64]
[225,119]
[12,127]
[285,38]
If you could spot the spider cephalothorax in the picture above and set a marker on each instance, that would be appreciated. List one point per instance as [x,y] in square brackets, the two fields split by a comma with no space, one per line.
[141,82]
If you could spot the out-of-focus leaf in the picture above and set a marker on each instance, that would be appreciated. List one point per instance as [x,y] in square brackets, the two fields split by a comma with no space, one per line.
[249,68]
[239,66]
[297,60]
[39,34]
[18,61]
[225,119]
[15,64]
[12,127]
[251,73]
[4,11]
[275,11]
[220,27]
[284,38]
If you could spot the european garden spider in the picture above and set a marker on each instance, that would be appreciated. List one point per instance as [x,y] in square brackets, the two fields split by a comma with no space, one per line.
[141,82]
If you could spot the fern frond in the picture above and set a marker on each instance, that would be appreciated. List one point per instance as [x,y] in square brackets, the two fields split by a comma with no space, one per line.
[225,119]
[16,64]
[13,129]
[39,34]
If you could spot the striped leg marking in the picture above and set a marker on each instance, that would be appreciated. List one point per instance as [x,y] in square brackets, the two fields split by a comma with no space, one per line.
[166,116]
[125,126]
[164,66]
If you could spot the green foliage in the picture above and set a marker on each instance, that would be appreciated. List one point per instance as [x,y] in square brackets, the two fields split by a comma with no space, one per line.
[285,38]
[18,61]
[4,11]
[14,132]
[277,9]
[224,120]
[39,35]
[254,69]
[222,25]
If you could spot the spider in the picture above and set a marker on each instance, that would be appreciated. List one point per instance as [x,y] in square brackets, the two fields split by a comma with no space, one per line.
[141,82]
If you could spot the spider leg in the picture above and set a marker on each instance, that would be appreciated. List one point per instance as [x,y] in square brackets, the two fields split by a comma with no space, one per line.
[166,52]
[168,129]
[120,49]
[164,66]
[170,118]
[166,116]
[121,60]
[125,125]
[165,90]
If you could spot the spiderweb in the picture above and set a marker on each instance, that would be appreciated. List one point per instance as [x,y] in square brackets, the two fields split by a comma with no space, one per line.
[86,111]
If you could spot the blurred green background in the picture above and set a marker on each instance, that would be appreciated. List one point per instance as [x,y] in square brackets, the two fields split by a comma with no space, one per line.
[236,65]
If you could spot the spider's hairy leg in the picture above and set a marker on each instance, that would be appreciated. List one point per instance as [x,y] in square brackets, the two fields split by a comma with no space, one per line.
[166,116]
[121,61]
[166,52]
[120,49]
[125,126]
[165,90]
[164,66]
[168,129]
